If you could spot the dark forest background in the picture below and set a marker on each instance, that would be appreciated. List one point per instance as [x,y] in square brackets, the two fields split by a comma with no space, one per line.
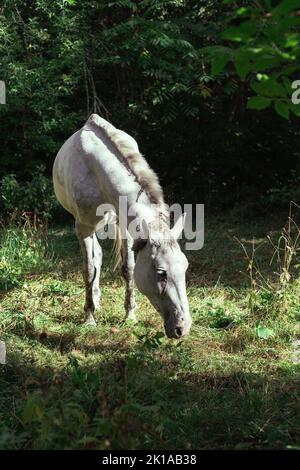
[204,86]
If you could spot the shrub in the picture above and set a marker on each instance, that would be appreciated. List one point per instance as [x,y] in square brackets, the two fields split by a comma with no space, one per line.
[30,199]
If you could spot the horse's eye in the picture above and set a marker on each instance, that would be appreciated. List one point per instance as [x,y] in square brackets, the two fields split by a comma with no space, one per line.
[162,274]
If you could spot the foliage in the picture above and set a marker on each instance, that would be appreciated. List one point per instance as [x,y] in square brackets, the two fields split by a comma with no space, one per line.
[30,199]
[146,66]
[262,41]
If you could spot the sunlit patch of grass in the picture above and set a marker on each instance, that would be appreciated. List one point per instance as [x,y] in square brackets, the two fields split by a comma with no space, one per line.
[22,251]
[231,384]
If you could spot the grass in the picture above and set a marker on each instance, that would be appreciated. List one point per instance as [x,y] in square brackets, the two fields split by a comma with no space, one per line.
[232,384]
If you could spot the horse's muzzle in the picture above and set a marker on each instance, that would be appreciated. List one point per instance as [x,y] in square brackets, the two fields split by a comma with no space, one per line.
[177,330]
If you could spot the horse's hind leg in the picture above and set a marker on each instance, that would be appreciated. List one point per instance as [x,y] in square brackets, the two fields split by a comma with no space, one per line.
[92,260]
[127,271]
[98,264]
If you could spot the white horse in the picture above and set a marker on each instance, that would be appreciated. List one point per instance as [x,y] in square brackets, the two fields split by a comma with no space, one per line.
[95,166]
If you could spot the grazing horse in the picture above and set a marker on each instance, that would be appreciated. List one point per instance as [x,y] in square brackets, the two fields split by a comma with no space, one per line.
[95,166]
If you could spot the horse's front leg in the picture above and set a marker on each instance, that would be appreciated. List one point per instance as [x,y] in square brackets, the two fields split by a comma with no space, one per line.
[127,271]
[92,260]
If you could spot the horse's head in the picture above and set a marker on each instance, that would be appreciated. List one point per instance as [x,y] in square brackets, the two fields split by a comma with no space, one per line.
[160,275]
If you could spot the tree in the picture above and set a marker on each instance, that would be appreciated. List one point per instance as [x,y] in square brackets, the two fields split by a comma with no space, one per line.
[262,41]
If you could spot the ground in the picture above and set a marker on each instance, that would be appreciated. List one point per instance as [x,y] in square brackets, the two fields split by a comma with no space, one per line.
[232,384]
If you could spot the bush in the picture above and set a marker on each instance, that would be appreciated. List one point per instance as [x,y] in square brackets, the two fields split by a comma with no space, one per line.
[29,199]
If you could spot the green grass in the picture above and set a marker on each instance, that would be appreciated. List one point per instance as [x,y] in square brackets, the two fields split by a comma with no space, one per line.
[232,384]
[22,252]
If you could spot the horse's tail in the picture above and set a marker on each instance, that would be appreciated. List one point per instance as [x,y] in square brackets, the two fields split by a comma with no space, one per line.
[117,247]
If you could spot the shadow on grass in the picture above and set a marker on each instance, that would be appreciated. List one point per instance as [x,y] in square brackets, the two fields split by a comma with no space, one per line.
[65,343]
[222,260]
[142,400]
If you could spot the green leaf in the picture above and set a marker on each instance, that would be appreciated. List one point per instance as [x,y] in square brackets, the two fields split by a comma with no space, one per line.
[282,109]
[287,84]
[264,333]
[243,67]
[265,62]
[240,33]
[258,102]
[286,6]
[243,11]
[295,108]
[262,77]
[270,88]
[219,63]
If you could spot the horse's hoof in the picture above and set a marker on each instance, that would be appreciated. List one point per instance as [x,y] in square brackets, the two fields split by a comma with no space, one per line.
[90,321]
[131,317]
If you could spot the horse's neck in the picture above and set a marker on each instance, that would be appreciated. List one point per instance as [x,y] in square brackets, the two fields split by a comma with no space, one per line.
[148,211]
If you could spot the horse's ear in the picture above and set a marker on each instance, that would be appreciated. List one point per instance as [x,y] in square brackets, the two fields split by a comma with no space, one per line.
[139,244]
[178,227]
[145,230]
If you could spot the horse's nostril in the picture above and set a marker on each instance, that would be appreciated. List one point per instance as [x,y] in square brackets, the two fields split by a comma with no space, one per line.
[178,332]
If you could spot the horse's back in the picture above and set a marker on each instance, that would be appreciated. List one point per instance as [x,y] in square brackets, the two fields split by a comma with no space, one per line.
[100,123]
[86,170]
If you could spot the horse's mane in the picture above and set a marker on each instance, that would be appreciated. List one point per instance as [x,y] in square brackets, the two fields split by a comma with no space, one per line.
[132,159]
